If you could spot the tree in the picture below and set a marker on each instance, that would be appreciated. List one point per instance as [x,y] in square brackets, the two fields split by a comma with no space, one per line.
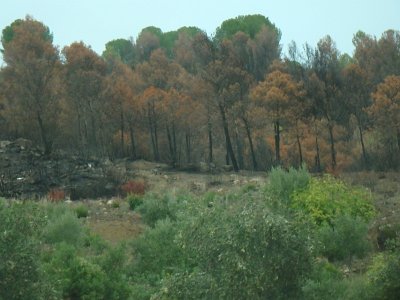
[31,78]
[385,113]
[148,41]
[120,95]
[276,94]
[121,49]
[326,67]
[85,75]
[357,91]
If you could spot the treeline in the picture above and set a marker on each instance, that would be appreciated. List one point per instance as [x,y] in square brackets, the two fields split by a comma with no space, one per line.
[182,97]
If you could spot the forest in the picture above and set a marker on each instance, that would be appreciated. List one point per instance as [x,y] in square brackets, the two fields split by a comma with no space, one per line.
[319,220]
[184,98]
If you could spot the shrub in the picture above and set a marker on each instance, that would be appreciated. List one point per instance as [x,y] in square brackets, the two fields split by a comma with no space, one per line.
[133,187]
[282,184]
[345,238]
[386,233]
[384,276]
[20,227]
[75,277]
[157,207]
[56,195]
[326,283]
[156,252]
[134,201]
[246,251]
[66,228]
[326,198]
[82,211]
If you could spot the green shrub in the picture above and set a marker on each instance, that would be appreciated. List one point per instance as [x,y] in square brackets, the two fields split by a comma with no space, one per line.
[345,238]
[246,251]
[157,207]
[156,252]
[326,283]
[114,264]
[82,211]
[387,233]
[134,201]
[21,225]
[326,198]
[66,228]
[384,276]
[282,184]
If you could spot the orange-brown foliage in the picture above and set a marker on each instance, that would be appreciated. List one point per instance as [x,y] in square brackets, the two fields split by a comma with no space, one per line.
[133,187]
[56,195]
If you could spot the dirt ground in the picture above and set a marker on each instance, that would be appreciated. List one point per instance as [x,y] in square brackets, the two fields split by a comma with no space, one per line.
[114,221]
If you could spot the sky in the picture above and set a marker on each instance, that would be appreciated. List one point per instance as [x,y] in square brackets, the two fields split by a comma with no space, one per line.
[96,22]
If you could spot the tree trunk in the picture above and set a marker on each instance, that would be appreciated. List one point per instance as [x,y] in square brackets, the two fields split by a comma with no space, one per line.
[132,136]
[364,152]
[398,139]
[188,148]
[332,142]
[155,128]
[248,133]
[174,143]
[122,129]
[45,141]
[277,142]
[210,140]
[171,147]
[239,148]
[228,139]
[152,139]
[317,155]
[300,150]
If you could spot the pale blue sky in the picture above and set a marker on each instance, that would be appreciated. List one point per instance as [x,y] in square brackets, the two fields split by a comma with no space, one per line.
[95,22]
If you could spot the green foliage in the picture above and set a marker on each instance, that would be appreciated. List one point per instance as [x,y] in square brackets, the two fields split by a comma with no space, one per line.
[156,252]
[384,276]
[114,264]
[326,198]
[345,238]
[103,276]
[82,211]
[250,24]
[134,201]
[246,252]
[20,228]
[282,184]
[64,228]
[156,207]
[325,283]
[120,49]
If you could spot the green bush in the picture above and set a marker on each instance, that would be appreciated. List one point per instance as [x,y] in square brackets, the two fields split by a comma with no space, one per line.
[156,252]
[282,184]
[384,276]
[345,238]
[114,264]
[101,276]
[134,201]
[157,207]
[66,228]
[246,251]
[21,225]
[82,211]
[326,283]
[326,198]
